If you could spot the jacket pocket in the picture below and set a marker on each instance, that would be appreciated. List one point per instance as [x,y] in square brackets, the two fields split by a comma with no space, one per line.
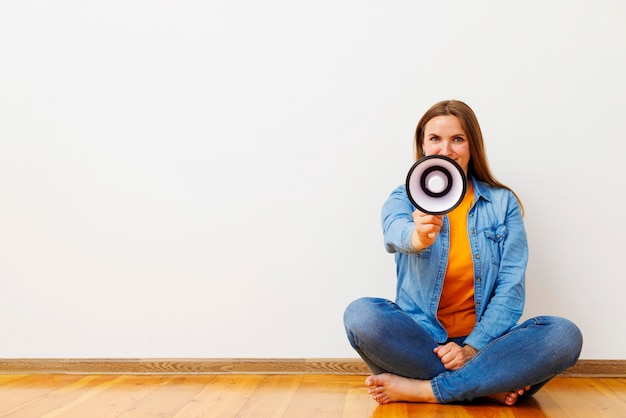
[495,239]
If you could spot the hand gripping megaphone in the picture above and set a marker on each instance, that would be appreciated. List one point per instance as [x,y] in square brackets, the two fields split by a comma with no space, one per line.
[436,184]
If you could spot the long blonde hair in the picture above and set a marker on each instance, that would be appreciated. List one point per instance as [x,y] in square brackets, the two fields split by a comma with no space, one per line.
[478,167]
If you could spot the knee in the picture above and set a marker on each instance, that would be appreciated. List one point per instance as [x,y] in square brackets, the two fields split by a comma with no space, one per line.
[570,332]
[356,313]
[360,317]
[567,335]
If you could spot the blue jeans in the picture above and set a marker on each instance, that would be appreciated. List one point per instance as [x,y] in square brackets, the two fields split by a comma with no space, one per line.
[530,353]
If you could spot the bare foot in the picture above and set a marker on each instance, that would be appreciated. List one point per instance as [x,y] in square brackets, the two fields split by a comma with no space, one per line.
[387,388]
[508,398]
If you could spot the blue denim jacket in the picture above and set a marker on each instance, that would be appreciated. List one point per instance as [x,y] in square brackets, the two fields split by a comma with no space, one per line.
[500,252]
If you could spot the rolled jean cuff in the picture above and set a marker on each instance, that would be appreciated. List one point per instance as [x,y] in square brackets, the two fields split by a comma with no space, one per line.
[433,385]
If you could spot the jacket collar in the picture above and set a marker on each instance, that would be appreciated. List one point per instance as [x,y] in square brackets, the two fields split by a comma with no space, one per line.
[481,189]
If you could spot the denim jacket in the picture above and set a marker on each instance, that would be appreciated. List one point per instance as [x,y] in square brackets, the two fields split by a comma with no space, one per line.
[500,253]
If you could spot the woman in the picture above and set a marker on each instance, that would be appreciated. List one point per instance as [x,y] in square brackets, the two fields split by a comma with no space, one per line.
[452,333]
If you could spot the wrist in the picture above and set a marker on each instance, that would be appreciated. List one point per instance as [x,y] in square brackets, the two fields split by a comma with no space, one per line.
[416,242]
[471,351]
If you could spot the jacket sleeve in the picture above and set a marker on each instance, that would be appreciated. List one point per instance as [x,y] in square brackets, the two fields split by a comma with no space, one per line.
[505,299]
[397,222]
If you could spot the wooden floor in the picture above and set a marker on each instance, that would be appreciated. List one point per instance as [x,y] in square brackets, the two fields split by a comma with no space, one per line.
[301,396]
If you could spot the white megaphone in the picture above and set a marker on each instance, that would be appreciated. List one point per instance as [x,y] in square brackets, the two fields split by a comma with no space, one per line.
[436,184]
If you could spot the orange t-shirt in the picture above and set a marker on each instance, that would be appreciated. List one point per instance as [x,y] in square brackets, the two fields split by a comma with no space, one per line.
[456,306]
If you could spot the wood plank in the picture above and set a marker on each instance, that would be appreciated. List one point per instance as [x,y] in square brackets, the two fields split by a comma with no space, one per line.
[125,395]
[320,397]
[279,395]
[597,368]
[358,402]
[11,378]
[93,391]
[60,396]
[582,398]
[168,399]
[584,368]
[272,397]
[221,396]
[18,393]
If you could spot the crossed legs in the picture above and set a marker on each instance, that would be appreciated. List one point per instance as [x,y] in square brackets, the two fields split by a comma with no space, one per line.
[400,354]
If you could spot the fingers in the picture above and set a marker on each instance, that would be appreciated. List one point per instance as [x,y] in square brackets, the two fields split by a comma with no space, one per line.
[451,355]
[446,355]
[426,227]
[427,223]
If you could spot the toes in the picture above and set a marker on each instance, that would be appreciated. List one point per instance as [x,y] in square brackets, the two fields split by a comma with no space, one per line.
[376,390]
[510,399]
[380,399]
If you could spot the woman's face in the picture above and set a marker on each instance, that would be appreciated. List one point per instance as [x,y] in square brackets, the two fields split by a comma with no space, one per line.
[444,135]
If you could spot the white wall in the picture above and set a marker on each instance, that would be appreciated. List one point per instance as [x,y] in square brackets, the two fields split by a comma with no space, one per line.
[204,178]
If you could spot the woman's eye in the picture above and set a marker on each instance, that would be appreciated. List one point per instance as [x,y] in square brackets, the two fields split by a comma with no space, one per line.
[459,139]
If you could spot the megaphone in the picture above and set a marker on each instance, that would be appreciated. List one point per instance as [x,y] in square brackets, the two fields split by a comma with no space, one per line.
[436,184]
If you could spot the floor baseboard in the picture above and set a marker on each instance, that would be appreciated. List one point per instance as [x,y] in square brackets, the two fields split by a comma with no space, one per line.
[583,368]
